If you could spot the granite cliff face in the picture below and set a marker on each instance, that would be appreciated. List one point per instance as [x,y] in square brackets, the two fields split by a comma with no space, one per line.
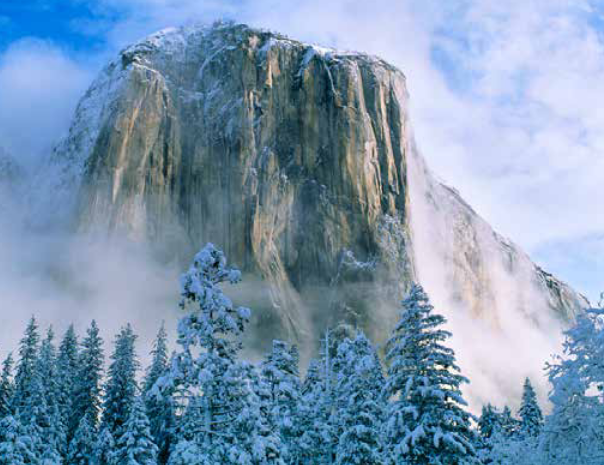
[299,162]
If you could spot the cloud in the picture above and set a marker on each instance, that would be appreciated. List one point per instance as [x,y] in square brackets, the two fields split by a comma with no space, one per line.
[40,85]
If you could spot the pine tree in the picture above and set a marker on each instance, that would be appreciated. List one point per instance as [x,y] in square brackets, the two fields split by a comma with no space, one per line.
[121,387]
[209,337]
[159,405]
[16,446]
[489,421]
[81,448]
[186,448]
[25,373]
[67,372]
[251,437]
[6,387]
[104,448]
[574,429]
[135,445]
[509,425]
[360,406]
[314,417]
[530,414]
[48,418]
[188,452]
[280,372]
[427,422]
[87,388]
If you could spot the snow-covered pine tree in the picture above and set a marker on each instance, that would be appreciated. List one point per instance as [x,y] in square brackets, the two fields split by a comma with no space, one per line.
[87,386]
[314,417]
[361,408]
[46,402]
[531,417]
[104,448]
[159,405]
[574,430]
[188,452]
[67,372]
[427,422]
[509,425]
[135,445]
[252,440]
[81,448]
[489,421]
[186,449]
[26,366]
[280,372]
[206,365]
[16,446]
[121,386]
[6,387]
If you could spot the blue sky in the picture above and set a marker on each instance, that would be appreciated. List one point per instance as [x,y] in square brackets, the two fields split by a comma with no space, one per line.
[506,97]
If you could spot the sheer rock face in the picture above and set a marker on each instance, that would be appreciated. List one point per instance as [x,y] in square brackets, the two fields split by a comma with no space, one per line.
[295,160]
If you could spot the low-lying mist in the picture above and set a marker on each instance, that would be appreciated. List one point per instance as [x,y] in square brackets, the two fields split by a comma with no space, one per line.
[62,278]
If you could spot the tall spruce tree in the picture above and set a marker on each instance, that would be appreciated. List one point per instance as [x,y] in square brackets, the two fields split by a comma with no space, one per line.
[361,407]
[104,448]
[135,445]
[531,417]
[314,417]
[159,405]
[489,421]
[280,372]
[26,366]
[121,387]
[81,447]
[67,372]
[46,402]
[427,421]
[6,387]
[87,387]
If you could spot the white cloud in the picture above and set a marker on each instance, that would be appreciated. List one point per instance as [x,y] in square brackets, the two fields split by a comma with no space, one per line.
[40,85]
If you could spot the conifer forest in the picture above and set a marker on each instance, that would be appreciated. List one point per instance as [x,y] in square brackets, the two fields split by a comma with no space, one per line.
[64,400]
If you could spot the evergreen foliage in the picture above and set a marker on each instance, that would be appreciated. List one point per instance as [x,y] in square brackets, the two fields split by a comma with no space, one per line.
[81,448]
[121,386]
[160,406]
[531,417]
[360,405]
[6,387]
[87,388]
[135,445]
[205,406]
[427,422]
[280,372]
[25,373]
[67,367]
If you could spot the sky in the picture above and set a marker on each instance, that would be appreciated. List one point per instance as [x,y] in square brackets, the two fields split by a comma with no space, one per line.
[506,97]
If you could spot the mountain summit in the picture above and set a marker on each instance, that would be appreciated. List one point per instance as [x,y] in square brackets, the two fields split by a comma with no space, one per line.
[299,162]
